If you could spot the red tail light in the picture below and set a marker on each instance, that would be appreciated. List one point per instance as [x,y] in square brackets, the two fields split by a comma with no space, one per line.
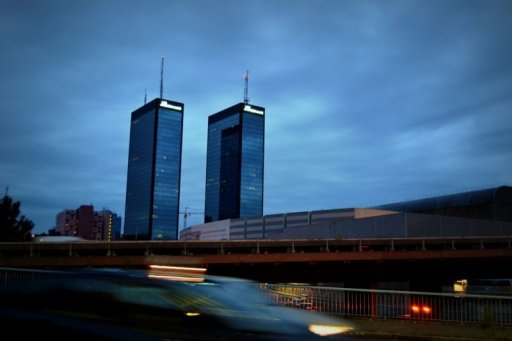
[424,309]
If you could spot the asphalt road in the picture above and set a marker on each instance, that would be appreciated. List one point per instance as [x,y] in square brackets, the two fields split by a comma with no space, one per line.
[423,330]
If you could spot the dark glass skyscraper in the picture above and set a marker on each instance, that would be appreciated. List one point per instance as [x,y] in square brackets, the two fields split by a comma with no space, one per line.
[154,171]
[234,163]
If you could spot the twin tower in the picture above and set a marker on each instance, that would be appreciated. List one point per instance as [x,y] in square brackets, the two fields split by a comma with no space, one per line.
[234,167]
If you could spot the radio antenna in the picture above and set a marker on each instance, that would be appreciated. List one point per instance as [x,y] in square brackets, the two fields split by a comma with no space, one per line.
[246,87]
[162,78]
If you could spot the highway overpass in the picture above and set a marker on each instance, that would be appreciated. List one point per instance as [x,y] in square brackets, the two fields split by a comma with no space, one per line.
[423,263]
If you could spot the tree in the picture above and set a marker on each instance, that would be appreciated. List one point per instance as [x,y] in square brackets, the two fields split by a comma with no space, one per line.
[12,227]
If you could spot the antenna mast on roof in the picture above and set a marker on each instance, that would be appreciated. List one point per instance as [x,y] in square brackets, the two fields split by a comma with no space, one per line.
[246,87]
[162,79]
[145,96]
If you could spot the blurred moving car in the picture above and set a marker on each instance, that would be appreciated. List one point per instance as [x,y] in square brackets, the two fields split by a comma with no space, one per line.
[159,303]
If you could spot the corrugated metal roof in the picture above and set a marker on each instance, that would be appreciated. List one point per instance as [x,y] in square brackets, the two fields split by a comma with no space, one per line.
[452,200]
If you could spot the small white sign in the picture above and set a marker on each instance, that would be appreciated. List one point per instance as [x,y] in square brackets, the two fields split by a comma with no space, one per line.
[165,104]
[248,108]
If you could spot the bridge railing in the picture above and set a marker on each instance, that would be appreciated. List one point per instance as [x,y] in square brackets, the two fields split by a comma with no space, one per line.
[391,304]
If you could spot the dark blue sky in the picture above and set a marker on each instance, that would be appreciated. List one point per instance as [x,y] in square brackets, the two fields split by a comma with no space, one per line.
[367,102]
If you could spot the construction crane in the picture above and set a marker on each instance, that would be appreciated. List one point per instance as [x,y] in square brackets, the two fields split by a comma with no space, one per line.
[186,213]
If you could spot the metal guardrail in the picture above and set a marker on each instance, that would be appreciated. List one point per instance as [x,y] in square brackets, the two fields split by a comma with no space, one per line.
[11,277]
[390,304]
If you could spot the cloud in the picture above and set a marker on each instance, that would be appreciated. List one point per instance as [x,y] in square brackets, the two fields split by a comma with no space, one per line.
[367,102]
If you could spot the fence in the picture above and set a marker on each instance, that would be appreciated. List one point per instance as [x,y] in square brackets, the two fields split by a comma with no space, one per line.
[390,304]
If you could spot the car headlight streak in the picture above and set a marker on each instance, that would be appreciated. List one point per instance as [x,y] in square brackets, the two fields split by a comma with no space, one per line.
[176,273]
[325,330]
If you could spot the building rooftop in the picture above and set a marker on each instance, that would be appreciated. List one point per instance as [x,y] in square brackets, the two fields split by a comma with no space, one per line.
[501,194]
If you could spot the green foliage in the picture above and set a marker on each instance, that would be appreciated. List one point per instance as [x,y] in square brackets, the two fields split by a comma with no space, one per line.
[12,227]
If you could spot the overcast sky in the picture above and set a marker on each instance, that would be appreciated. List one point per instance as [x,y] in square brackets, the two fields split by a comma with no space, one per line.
[367,102]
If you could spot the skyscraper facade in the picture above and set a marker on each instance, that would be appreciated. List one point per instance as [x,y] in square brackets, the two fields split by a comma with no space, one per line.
[235,163]
[154,171]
